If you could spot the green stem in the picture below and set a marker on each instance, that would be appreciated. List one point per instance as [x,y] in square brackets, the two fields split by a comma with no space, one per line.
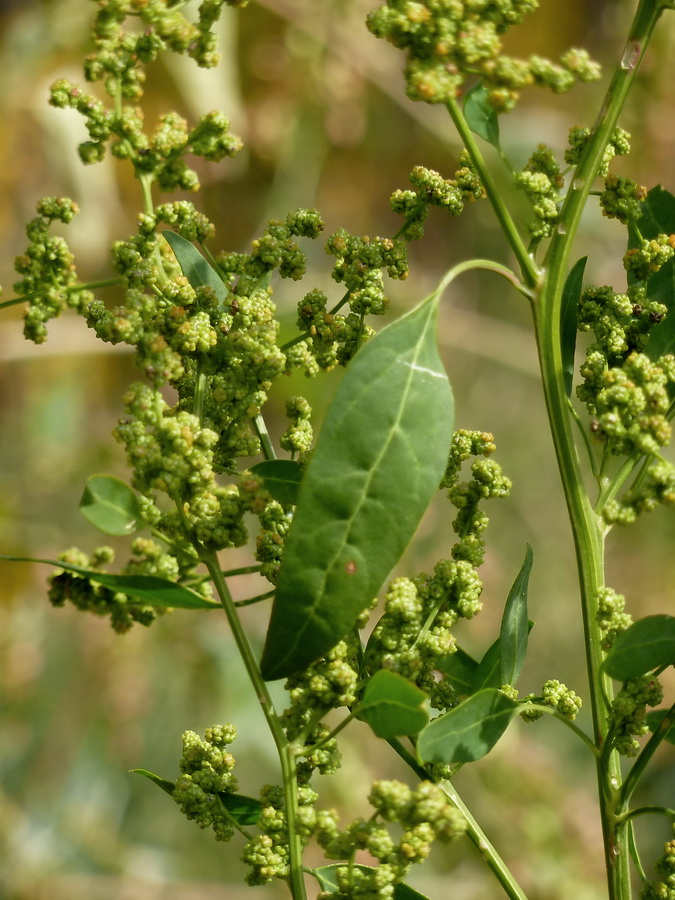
[587,528]
[550,711]
[475,833]
[646,810]
[71,288]
[527,265]
[286,752]
[645,755]
[264,436]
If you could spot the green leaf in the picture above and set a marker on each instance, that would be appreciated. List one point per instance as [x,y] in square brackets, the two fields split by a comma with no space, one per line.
[162,783]
[459,669]
[480,115]
[658,217]
[281,478]
[647,645]
[469,731]
[244,810]
[515,628]
[489,671]
[654,719]
[193,265]
[391,705]
[379,459]
[111,505]
[326,876]
[568,322]
[154,591]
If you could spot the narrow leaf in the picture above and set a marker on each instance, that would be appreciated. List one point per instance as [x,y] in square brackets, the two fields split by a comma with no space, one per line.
[111,505]
[327,878]
[515,628]
[654,719]
[154,591]
[281,478]
[647,645]
[245,810]
[391,705]
[162,783]
[378,462]
[459,669]
[568,322]
[469,731]
[195,268]
[489,671]
[480,115]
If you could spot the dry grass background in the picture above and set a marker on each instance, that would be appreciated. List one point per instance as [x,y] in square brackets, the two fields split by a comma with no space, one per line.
[320,105]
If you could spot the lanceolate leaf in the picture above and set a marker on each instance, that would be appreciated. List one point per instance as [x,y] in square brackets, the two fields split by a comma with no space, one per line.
[281,478]
[245,810]
[378,462]
[469,731]
[480,115]
[327,878]
[195,268]
[459,669]
[157,592]
[568,321]
[162,783]
[111,505]
[489,671]
[515,627]
[647,645]
[391,705]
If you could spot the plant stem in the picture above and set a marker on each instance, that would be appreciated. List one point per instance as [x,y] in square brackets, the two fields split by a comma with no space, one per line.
[264,436]
[475,833]
[645,755]
[286,752]
[587,527]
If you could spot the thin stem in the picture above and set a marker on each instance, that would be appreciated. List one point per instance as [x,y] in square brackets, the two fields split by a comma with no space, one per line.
[527,265]
[264,436]
[70,289]
[257,599]
[285,751]
[550,711]
[475,833]
[645,755]
[306,751]
[646,810]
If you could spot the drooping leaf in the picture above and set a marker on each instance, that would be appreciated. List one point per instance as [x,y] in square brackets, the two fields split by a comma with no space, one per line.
[377,464]
[658,217]
[480,115]
[111,505]
[515,628]
[281,477]
[469,731]
[154,591]
[648,644]
[489,671]
[569,317]
[193,265]
[162,783]
[459,669]
[654,719]
[245,810]
[326,876]
[391,705]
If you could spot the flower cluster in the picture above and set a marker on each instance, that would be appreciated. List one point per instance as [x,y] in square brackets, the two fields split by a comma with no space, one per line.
[618,145]
[556,695]
[647,258]
[542,181]
[275,520]
[629,710]
[621,199]
[664,889]
[431,189]
[424,814]
[610,615]
[445,41]
[207,769]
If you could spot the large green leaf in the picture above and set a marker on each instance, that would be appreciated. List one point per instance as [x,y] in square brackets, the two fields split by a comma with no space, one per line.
[328,881]
[658,217]
[391,705]
[480,115]
[378,462]
[469,731]
[111,505]
[648,644]
[154,591]
[281,478]
[195,268]
[515,626]
[489,671]
[459,669]
[569,317]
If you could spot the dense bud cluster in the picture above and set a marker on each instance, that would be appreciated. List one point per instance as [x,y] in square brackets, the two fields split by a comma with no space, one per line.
[618,145]
[610,616]
[664,888]
[621,199]
[207,769]
[629,709]
[446,41]
[556,695]
[542,181]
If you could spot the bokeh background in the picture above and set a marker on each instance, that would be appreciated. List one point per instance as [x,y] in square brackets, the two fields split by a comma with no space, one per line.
[320,105]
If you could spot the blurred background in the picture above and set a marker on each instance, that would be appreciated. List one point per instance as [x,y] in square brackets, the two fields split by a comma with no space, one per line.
[320,105]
